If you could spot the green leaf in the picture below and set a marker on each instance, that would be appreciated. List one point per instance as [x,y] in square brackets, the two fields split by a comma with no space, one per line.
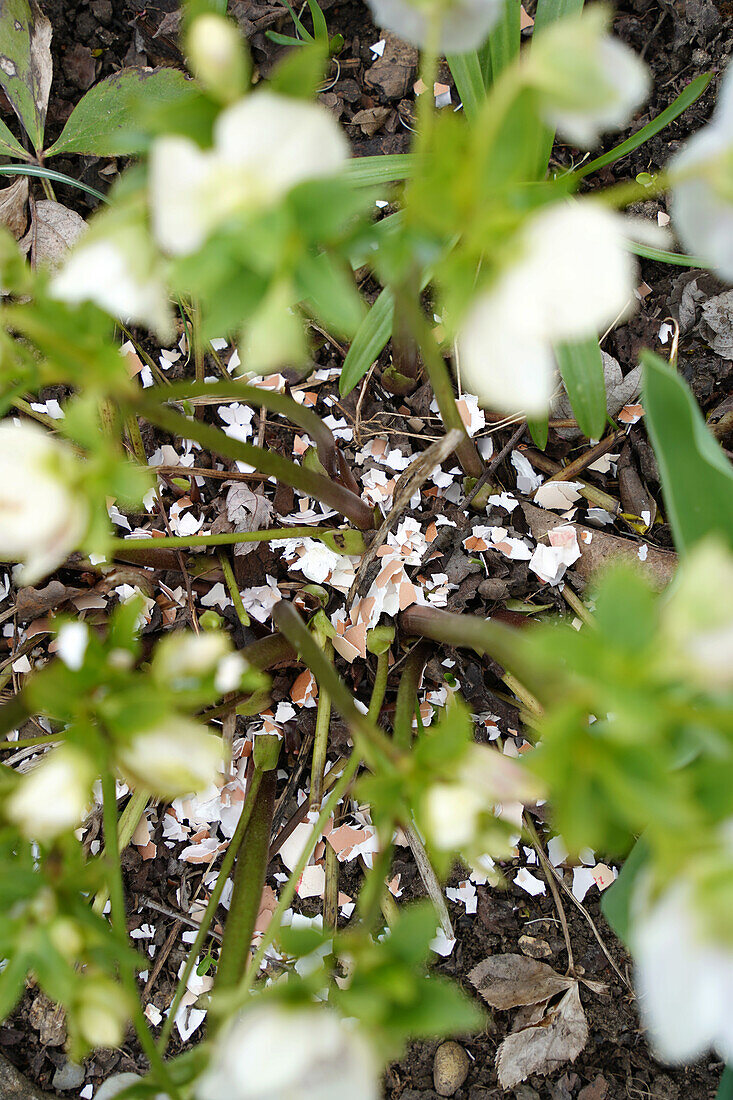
[107,122]
[725,1088]
[697,479]
[466,70]
[616,900]
[10,145]
[539,429]
[581,368]
[502,45]
[366,171]
[662,256]
[549,12]
[329,291]
[369,342]
[685,99]
[26,68]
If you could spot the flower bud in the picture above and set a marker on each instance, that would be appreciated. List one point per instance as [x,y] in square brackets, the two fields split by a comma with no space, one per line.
[101,1013]
[217,57]
[54,796]
[43,515]
[174,758]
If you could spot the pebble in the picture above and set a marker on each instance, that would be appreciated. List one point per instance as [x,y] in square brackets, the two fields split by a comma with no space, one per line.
[450,1068]
[68,1076]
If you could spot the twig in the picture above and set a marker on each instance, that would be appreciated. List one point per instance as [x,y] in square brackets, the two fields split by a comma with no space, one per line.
[550,876]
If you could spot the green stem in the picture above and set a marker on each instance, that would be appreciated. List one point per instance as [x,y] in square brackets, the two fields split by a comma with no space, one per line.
[119,926]
[440,380]
[320,740]
[288,891]
[233,588]
[407,694]
[249,881]
[172,542]
[503,643]
[50,174]
[211,907]
[266,462]
[380,687]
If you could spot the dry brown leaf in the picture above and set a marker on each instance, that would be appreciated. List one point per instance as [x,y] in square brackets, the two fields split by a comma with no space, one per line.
[557,1039]
[32,602]
[13,202]
[506,981]
[54,230]
[248,511]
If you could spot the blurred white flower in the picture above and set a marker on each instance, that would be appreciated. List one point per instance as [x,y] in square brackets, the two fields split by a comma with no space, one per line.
[118,274]
[587,81]
[702,205]
[684,978]
[101,1012]
[263,146]
[71,644]
[458,813]
[574,277]
[216,56]
[43,517]
[698,622]
[274,1053]
[53,796]
[175,758]
[464,24]
[183,659]
[116,1084]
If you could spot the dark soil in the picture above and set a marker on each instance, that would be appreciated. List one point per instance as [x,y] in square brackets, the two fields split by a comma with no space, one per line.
[679,39]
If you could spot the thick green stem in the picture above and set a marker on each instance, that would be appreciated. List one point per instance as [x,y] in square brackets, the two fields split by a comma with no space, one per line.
[249,880]
[211,907]
[266,462]
[440,380]
[330,536]
[380,687]
[407,693]
[501,642]
[233,588]
[119,925]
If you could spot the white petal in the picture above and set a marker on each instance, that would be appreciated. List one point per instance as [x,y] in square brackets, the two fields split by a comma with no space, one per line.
[465,25]
[182,179]
[702,218]
[503,360]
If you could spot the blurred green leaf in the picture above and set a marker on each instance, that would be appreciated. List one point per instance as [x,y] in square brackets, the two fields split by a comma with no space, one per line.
[697,478]
[616,900]
[369,342]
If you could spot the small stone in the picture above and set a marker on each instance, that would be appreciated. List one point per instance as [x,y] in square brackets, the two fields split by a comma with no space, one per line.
[526,1092]
[534,947]
[14,1086]
[450,1068]
[69,1076]
[596,1090]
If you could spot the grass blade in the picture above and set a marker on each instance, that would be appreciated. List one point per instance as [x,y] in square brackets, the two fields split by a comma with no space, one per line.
[581,368]
[502,45]
[685,99]
[662,256]
[466,70]
[393,168]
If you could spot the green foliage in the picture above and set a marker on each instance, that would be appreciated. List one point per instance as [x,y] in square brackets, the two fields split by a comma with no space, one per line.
[581,368]
[697,479]
[25,76]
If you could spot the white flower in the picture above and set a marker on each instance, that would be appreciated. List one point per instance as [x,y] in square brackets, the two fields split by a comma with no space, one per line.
[263,146]
[699,623]
[274,1053]
[702,206]
[177,757]
[574,277]
[684,978]
[486,779]
[182,660]
[216,56]
[229,672]
[43,517]
[464,24]
[113,273]
[587,81]
[53,796]
[101,1013]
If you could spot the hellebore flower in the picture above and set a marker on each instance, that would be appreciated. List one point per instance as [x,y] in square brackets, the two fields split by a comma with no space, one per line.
[174,758]
[574,277]
[43,515]
[274,1053]
[54,796]
[464,24]
[264,145]
[702,204]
